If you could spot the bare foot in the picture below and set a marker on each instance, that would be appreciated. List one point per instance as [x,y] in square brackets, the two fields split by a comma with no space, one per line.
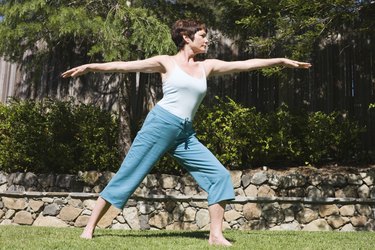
[86,234]
[219,241]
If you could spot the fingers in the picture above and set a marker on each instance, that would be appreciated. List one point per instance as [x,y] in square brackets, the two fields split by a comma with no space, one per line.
[67,73]
[297,64]
[303,65]
[74,72]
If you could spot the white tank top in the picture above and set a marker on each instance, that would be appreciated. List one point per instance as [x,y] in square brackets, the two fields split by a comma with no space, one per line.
[183,93]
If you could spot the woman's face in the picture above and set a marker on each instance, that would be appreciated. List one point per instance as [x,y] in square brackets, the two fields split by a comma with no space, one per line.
[200,42]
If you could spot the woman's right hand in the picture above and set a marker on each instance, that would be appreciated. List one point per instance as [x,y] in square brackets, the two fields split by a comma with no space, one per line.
[77,71]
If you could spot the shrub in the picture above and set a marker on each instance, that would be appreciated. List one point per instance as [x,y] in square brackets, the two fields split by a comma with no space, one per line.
[241,137]
[57,136]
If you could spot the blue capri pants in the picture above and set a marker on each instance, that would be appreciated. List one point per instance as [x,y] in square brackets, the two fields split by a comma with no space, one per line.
[163,132]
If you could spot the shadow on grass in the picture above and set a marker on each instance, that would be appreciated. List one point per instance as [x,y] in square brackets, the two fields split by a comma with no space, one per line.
[203,235]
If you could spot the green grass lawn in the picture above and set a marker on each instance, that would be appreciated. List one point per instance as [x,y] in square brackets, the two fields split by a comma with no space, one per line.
[25,237]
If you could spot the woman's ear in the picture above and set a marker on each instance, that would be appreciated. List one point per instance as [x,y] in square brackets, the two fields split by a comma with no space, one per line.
[186,39]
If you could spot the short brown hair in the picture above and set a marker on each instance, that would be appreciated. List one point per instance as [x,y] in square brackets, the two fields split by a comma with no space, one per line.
[187,28]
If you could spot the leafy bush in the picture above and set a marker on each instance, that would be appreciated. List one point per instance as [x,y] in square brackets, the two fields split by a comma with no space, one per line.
[61,137]
[57,136]
[241,137]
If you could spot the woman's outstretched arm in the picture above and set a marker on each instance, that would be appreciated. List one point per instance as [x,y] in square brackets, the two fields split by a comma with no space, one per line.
[218,67]
[150,65]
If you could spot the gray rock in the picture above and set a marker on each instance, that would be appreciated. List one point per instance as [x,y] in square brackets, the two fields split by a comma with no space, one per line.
[266,191]
[369,180]
[259,178]
[232,215]
[317,225]
[131,216]
[16,188]
[236,178]
[347,228]
[11,178]
[3,178]
[81,221]
[69,213]
[143,222]
[51,209]
[90,177]
[372,193]
[313,192]
[272,213]
[30,179]
[315,179]
[23,218]
[178,212]
[274,180]
[336,221]
[327,210]
[202,218]
[49,221]
[370,225]
[9,214]
[349,191]
[251,191]
[160,220]
[189,214]
[64,180]
[296,192]
[106,177]
[109,216]
[3,188]
[36,205]
[358,221]
[289,215]
[363,209]
[293,180]
[46,180]
[120,226]
[338,180]
[347,210]
[246,179]
[145,207]
[18,178]
[294,226]
[363,191]
[14,203]
[327,190]
[306,216]
[354,179]
[252,211]
[188,180]
[168,181]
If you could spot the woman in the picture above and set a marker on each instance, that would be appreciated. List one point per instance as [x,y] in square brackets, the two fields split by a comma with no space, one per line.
[168,127]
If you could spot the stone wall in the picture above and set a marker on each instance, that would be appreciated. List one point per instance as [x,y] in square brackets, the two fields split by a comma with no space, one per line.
[342,199]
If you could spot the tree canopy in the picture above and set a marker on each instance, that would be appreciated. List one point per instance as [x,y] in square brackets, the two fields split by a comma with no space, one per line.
[109,30]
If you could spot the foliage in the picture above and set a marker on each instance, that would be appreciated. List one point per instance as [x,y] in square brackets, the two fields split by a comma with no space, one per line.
[242,137]
[290,27]
[111,30]
[57,136]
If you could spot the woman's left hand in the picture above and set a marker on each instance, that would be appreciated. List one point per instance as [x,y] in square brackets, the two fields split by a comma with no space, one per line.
[295,64]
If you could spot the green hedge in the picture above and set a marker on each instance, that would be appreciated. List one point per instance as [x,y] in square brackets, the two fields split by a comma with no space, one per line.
[61,137]
[57,136]
[241,137]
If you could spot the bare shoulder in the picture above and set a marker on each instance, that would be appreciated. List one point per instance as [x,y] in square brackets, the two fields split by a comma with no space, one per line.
[211,64]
